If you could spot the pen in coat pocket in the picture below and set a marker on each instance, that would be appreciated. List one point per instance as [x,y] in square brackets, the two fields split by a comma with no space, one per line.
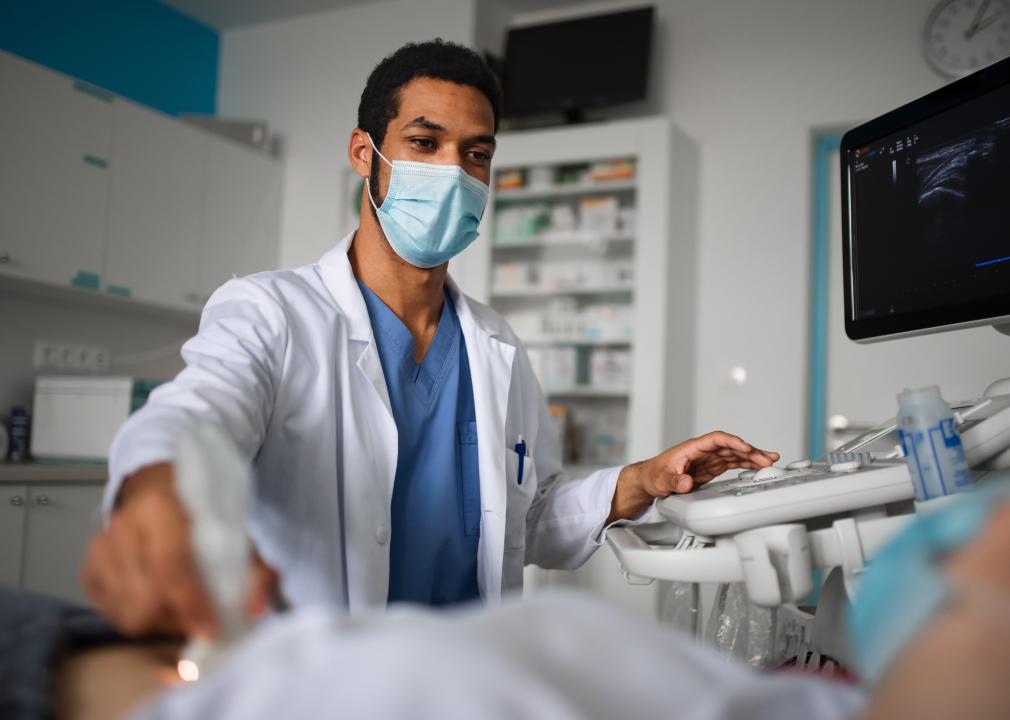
[521,452]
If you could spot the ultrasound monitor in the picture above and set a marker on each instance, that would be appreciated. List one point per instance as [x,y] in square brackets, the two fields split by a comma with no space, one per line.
[926,212]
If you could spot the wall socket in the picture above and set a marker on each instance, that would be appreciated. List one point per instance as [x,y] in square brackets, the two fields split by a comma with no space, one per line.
[71,356]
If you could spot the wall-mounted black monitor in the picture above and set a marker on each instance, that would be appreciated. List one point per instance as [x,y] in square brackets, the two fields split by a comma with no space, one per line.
[926,212]
[577,65]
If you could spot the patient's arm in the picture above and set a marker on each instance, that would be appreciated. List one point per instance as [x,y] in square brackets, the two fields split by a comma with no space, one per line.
[109,681]
[960,665]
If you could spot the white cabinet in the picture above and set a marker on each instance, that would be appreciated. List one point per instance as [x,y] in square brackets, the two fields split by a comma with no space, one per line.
[156,208]
[59,522]
[241,217]
[588,248]
[44,532]
[12,523]
[594,252]
[105,195]
[55,142]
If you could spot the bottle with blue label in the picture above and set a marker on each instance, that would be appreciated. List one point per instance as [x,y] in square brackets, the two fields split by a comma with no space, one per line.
[932,444]
[19,434]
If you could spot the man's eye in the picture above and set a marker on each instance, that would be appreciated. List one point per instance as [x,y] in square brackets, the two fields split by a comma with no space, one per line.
[480,156]
[423,143]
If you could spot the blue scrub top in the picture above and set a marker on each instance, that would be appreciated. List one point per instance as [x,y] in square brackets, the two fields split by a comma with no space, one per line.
[436,494]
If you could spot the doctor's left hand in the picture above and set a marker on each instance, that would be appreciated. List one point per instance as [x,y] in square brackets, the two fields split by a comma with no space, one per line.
[682,468]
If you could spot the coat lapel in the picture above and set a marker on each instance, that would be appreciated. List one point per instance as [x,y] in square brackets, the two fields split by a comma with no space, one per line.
[368,442]
[491,373]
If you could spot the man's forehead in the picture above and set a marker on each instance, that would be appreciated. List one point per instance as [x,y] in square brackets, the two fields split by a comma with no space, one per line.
[429,103]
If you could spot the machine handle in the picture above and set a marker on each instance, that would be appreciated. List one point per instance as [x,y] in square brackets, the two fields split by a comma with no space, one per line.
[17,501]
[774,562]
[719,563]
[42,500]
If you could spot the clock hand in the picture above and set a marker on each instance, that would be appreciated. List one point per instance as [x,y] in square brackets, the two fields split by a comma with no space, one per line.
[976,22]
[987,23]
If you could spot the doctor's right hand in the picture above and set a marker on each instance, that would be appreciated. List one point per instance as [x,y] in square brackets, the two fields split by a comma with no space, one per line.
[140,570]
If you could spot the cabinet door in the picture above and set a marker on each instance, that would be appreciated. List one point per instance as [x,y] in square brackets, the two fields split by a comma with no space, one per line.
[60,521]
[13,501]
[156,204]
[55,142]
[242,222]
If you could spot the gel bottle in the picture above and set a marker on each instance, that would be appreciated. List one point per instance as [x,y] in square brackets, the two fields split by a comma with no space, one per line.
[932,444]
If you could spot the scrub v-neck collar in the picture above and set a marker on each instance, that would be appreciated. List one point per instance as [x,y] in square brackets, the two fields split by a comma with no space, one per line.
[396,341]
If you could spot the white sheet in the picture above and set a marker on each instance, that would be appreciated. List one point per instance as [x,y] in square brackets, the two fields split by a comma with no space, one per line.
[557,656]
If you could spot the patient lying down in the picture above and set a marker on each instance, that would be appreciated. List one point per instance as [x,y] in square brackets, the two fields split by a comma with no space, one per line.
[567,656]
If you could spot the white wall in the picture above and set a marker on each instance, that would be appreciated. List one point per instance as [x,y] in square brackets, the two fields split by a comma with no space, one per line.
[125,333]
[305,76]
[752,82]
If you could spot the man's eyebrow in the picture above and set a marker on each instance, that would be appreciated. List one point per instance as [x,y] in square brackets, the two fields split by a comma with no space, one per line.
[489,139]
[425,124]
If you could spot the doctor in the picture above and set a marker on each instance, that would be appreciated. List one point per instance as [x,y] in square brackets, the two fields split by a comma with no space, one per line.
[401,442]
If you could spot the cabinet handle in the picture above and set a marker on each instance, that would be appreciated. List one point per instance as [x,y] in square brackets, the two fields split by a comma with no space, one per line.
[17,501]
[42,500]
[5,258]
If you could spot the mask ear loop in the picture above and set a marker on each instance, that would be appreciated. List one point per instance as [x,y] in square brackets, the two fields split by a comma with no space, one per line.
[368,186]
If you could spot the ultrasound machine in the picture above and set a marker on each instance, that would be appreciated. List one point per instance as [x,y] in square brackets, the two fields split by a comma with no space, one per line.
[925,198]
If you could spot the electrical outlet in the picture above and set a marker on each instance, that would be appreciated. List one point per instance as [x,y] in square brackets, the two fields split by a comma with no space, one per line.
[71,356]
[99,359]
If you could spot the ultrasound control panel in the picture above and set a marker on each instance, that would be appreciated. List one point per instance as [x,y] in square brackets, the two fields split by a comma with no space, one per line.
[801,490]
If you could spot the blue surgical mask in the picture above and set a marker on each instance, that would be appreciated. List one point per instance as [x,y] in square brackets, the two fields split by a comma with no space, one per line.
[905,587]
[431,212]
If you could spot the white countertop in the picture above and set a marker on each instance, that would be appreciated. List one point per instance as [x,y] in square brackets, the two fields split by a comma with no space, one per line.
[32,472]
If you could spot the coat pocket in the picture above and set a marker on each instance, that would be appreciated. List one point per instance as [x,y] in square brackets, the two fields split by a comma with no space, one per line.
[518,497]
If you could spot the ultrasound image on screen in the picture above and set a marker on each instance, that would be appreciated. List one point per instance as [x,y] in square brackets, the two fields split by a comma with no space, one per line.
[930,212]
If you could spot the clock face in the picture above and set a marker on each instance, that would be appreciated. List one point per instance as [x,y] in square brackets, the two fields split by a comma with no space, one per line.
[965,35]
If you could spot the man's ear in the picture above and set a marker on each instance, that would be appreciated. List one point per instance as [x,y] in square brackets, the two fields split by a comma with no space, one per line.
[359,152]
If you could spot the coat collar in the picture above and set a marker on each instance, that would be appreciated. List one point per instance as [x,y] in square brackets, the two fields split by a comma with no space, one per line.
[339,279]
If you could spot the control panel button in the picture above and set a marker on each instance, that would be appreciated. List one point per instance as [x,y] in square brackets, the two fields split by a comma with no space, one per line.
[799,465]
[769,473]
[846,466]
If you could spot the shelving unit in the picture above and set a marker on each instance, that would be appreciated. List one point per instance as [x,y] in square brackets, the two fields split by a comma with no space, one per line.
[560,242]
[577,342]
[535,292]
[585,391]
[566,190]
[585,269]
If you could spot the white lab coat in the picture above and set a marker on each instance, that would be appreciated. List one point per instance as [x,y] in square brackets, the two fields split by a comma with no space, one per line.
[286,364]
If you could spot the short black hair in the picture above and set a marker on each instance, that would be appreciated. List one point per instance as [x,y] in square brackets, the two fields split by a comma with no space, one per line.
[437,59]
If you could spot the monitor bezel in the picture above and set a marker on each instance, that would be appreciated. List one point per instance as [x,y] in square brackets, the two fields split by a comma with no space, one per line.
[995,311]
